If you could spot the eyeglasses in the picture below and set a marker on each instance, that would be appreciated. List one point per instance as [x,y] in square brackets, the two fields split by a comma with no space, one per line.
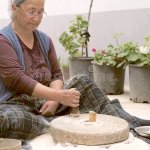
[33,13]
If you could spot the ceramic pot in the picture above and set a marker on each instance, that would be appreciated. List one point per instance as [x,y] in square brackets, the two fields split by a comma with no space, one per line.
[109,79]
[81,66]
[139,82]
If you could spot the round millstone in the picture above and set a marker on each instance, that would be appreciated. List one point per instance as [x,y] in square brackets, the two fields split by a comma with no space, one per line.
[77,130]
[10,144]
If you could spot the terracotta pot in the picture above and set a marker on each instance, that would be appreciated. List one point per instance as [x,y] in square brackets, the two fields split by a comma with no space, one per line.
[10,144]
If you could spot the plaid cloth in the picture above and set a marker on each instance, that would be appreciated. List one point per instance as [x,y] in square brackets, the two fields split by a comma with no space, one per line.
[19,117]
[92,98]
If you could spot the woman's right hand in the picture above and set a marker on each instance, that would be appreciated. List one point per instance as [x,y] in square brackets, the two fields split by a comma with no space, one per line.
[69,97]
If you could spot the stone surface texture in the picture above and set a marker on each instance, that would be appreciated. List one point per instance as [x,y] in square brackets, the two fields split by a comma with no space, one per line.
[77,130]
[10,144]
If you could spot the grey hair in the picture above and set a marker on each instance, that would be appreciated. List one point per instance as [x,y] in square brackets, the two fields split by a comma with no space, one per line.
[17,3]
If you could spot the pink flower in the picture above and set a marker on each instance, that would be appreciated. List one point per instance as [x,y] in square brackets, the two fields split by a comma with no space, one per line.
[94,50]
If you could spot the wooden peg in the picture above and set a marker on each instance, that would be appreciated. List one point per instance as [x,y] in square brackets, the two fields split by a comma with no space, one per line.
[92,116]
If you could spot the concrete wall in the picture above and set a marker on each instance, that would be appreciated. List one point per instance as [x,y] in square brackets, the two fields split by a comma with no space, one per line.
[59,7]
[134,24]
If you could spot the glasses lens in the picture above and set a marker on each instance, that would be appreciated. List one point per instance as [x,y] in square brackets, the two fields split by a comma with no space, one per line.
[32,13]
[39,14]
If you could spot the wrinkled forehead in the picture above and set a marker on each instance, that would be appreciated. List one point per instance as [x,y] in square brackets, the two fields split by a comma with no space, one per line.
[17,2]
[37,4]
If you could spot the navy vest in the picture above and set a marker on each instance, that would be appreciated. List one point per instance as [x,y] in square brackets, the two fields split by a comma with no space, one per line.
[8,32]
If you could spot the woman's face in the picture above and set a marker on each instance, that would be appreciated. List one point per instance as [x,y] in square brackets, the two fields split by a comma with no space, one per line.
[29,14]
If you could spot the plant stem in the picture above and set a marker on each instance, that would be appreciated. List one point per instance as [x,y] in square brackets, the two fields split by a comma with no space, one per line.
[89,15]
[117,42]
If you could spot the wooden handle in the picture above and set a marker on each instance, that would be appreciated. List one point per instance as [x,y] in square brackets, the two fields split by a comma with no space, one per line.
[92,116]
[74,112]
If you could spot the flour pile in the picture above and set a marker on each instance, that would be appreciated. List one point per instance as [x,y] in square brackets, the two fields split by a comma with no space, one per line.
[45,142]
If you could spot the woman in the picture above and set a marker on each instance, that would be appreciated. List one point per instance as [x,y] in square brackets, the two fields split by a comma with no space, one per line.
[32,89]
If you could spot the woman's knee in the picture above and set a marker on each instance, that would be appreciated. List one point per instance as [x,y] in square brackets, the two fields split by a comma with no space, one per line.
[11,120]
[20,124]
[4,123]
[79,82]
[82,78]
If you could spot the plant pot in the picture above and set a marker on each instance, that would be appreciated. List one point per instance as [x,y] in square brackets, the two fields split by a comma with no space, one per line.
[65,71]
[109,79]
[139,81]
[81,66]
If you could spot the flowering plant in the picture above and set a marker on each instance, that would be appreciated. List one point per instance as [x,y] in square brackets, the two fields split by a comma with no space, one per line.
[109,57]
[135,54]
[124,54]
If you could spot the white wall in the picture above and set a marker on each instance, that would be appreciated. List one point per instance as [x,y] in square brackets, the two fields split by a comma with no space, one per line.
[60,7]
[54,7]
[134,24]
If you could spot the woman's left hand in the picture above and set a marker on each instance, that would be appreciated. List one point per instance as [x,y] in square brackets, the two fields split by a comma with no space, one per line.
[49,108]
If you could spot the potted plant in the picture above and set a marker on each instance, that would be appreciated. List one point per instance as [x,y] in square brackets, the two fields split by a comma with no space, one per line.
[64,68]
[109,67]
[106,74]
[75,41]
[138,58]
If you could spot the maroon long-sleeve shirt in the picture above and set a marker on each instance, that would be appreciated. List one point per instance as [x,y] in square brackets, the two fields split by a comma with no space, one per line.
[36,69]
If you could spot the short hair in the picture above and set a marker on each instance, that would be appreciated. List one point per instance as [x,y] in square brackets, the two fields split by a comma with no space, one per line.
[17,3]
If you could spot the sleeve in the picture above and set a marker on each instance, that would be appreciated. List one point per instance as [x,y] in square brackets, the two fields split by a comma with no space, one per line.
[11,72]
[55,67]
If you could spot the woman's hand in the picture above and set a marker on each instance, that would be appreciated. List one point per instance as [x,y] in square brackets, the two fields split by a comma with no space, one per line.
[49,108]
[66,97]
[69,97]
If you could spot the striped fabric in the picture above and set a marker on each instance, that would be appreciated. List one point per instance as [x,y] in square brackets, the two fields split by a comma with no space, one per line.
[92,98]
[20,119]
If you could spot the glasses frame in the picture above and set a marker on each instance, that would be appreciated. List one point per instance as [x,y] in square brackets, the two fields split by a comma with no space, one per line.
[33,14]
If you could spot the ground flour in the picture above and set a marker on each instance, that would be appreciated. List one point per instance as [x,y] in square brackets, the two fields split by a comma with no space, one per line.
[45,142]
